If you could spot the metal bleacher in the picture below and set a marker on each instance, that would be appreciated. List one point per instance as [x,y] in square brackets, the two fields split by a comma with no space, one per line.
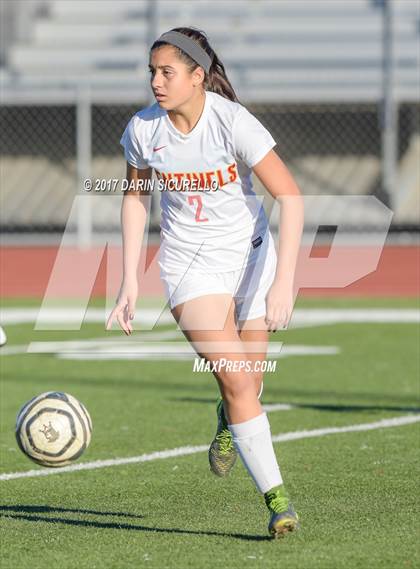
[275,52]
[273,49]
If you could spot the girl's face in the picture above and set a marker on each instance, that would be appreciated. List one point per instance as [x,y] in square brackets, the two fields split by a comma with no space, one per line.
[170,78]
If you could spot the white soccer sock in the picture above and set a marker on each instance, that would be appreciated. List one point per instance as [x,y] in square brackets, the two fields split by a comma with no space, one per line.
[252,440]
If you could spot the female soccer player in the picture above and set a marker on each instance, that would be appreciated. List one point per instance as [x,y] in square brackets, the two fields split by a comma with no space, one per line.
[218,261]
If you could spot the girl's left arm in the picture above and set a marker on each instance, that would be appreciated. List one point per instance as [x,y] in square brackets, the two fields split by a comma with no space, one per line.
[274,175]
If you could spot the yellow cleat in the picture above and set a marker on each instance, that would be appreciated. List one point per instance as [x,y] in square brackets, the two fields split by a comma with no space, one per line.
[222,453]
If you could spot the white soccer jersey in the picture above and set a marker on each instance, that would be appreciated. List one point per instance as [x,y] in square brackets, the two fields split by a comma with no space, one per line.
[210,214]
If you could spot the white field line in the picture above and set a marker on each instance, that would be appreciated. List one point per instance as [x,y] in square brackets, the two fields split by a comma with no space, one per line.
[183,351]
[92,344]
[75,314]
[270,407]
[184,451]
[180,350]
[301,317]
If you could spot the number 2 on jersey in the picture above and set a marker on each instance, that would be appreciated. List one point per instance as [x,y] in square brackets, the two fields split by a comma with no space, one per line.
[199,207]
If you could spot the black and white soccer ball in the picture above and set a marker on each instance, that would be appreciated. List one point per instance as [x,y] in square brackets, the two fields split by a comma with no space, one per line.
[53,429]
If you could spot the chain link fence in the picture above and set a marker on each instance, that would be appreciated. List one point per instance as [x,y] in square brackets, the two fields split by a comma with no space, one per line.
[331,149]
[61,123]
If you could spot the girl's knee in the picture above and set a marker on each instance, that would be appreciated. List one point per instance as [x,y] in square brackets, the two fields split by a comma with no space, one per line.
[235,387]
[257,377]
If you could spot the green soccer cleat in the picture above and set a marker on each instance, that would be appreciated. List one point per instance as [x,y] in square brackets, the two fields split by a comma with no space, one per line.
[222,453]
[283,516]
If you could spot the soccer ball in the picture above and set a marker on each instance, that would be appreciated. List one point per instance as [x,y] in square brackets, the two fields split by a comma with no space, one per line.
[53,429]
[3,337]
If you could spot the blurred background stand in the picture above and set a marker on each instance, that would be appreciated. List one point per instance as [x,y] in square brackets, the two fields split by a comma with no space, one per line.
[336,83]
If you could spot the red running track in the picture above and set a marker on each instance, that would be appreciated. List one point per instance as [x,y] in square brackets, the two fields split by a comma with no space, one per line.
[26,271]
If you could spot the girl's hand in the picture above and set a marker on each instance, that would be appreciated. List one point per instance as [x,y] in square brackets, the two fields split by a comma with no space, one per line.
[279,306]
[125,306]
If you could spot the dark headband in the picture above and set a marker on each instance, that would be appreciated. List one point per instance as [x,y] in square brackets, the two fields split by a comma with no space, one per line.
[190,46]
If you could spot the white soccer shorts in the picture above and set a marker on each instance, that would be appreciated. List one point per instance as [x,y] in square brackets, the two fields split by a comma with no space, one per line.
[247,286]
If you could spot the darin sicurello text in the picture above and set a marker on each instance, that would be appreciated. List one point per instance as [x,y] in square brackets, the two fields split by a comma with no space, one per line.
[114,185]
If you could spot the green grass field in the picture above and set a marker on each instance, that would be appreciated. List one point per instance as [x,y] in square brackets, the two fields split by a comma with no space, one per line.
[356,492]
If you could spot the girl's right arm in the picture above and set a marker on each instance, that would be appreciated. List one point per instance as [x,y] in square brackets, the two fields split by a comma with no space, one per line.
[133,221]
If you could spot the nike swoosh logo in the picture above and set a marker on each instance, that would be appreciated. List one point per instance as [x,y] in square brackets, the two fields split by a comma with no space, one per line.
[158,148]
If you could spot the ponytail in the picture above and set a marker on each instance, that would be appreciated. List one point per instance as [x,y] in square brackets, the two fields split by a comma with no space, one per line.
[216,79]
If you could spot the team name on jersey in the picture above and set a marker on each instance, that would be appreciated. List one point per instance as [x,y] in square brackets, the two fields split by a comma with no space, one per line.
[202,180]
